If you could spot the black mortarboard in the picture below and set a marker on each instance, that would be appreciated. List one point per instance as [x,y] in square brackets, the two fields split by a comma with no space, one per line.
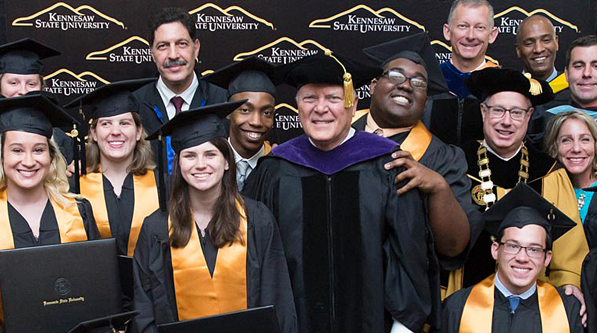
[191,128]
[489,81]
[24,56]
[417,49]
[329,68]
[110,99]
[251,74]
[33,113]
[107,324]
[523,206]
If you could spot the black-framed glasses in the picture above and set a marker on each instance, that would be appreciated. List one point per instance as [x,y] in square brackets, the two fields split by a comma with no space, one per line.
[497,112]
[397,77]
[532,251]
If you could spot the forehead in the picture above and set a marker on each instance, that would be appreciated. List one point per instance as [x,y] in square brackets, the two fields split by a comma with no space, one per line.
[206,146]
[171,30]
[539,26]
[321,89]
[574,126]
[12,137]
[509,99]
[254,97]
[584,53]
[472,14]
[529,234]
[27,77]
[122,116]
[409,66]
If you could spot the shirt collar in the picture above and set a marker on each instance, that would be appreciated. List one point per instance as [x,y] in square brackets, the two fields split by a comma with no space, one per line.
[186,95]
[553,75]
[507,293]
[350,134]
[387,132]
[251,160]
[496,154]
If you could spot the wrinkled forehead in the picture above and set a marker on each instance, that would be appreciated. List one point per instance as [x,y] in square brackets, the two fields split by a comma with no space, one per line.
[471,14]
[321,89]
[509,99]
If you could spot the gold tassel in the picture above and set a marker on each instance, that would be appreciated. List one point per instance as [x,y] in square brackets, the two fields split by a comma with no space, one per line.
[347,80]
[536,88]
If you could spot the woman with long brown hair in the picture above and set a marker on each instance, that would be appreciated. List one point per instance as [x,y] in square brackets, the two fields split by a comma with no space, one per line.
[213,251]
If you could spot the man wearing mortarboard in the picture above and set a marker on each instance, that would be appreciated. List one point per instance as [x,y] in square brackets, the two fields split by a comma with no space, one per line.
[360,257]
[502,160]
[514,299]
[255,80]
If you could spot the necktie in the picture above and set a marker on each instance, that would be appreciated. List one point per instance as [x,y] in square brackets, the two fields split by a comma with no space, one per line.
[378,131]
[514,301]
[243,170]
[177,101]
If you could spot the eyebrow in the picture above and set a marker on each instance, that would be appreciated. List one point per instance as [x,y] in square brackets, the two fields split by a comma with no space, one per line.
[417,73]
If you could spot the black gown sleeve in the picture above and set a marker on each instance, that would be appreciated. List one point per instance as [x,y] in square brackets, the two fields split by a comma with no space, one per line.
[274,287]
[88,220]
[572,306]
[452,310]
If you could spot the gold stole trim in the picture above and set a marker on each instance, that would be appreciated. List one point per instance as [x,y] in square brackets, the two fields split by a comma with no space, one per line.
[417,141]
[146,202]
[477,315]
[197,293]
[267,149]
[559,83]
[6,238]
[358,114]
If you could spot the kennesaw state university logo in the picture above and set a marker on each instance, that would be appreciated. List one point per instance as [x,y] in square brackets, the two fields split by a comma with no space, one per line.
[443,52]
[363,19]
[62,16]
[284,51]
[133,50]
[509,20]
[286,117]
[65,82]
[212,17]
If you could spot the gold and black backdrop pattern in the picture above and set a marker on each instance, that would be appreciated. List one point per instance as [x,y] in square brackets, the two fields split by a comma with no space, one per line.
[105,41]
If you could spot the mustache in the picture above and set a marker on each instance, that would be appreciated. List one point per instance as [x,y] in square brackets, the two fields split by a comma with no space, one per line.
[172,63]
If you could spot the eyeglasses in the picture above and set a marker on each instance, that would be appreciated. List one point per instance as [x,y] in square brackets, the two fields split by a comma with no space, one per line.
[497,112]
[396,77]
[532,251]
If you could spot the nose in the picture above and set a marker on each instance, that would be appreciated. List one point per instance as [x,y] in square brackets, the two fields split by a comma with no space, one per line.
[172,52]
[28,160]
[470,33]
[320,106]
[538,47]
[200,163]
[587,71]
[576,146]
[22,89]
[255,118]
[507,119]
[522,256]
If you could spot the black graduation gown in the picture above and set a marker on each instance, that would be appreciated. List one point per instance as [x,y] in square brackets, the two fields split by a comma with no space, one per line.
[526,319]
[450,163]
[152,270]
[357,253]
[49,233]
[153,111]
[120,211]
[590,224]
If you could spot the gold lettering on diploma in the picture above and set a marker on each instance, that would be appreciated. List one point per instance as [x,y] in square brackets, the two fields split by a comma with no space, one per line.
[64,301]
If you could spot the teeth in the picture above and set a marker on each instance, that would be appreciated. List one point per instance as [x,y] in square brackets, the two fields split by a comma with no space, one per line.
[521,269]
[400,100]
[504,132]
[578,159]
[253,135]
[201,175]
[26,173]
[540,59]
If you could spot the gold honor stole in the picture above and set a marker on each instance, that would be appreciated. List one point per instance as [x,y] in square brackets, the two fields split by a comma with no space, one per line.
[417,141]
[146,202]
[559,83]
[70,223]
[197,293]
[477,315]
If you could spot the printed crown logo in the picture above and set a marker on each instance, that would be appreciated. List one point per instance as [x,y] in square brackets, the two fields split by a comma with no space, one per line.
[26,21]
[233,15]
[364,19]
[284,50]
[504,18]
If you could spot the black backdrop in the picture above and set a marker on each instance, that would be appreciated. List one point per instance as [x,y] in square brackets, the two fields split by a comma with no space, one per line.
[105,41]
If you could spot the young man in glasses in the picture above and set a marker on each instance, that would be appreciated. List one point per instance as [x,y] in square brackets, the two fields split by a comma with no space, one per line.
[514,299]
[502,160]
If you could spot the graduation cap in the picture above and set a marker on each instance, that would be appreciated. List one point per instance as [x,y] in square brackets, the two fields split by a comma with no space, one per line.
[417,49]
[107,324]
[329,68]
[192,128]
[523,206]
[252,74]
[24,56]
[489,81]
[35,113]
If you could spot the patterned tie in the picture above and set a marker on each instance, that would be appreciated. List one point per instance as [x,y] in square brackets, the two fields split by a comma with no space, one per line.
[514,301]
[378,131]
[177,101]
[243,170]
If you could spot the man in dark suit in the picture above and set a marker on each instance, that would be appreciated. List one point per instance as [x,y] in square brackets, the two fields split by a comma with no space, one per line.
[175,50]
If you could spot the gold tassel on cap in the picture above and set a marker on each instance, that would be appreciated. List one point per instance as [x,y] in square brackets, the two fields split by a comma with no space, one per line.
[347,80]
[536,88]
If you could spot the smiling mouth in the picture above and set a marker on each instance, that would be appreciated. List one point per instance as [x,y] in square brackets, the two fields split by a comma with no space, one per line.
[325,122]
[27,173]
[521,270]
[116,144]
[504,133]
[201,175]
[253,135]
[401,100]
[540,60]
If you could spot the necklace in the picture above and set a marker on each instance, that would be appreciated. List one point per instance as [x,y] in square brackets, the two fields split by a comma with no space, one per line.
[483,194]
[581,200]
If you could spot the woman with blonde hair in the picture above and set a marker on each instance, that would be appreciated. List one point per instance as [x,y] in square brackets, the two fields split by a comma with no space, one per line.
[119,180]
[572,139]
[213,251]
[35,206]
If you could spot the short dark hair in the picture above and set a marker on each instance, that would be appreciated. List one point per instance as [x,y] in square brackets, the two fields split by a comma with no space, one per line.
[548,241]
[169,15]
[584,41]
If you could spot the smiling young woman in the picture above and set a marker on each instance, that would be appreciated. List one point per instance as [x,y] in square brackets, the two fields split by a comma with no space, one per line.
[572,139]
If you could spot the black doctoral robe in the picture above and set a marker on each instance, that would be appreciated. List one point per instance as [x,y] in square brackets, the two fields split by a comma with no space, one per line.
[49,234]
[358,254]
[526,319]
[267,274]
